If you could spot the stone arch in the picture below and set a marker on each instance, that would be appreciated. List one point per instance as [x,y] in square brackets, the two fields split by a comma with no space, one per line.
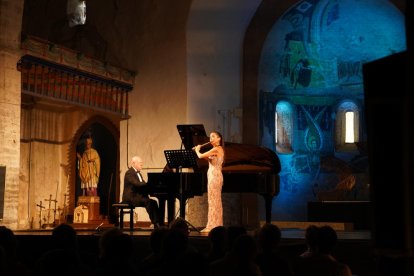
[108,187]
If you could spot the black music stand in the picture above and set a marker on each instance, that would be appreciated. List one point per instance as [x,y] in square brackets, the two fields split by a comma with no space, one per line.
[180,159]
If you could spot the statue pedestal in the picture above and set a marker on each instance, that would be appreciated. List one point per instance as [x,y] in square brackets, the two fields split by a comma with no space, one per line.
[92,202]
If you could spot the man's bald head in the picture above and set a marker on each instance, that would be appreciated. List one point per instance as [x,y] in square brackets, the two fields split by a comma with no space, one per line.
[136,162]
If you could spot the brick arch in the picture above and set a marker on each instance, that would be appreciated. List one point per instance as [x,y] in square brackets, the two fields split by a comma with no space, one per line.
[111,128]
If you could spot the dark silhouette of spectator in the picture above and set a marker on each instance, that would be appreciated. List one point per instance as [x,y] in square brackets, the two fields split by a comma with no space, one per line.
[2,261]
[9,262]
[154,259]
[311,239]
[226,264]
[175,245]
[64,237]
[115,254]
[217,238]
[233,232]
[180,224]
[268,258]
[63,253]
[239,261]
[322,262]
[177,259]
[245,251]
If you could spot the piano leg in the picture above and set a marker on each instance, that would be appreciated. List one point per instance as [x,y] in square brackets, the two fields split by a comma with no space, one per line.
[268,207]
[161,206]
[171,209]
[182,207]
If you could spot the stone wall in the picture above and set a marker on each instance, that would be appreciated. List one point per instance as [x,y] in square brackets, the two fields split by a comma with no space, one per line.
[48,161]
[10,26]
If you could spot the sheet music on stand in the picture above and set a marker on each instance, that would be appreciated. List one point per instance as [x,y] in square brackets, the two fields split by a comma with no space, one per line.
[180,158]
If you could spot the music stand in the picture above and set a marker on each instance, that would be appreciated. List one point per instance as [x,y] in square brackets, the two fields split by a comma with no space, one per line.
[179,159]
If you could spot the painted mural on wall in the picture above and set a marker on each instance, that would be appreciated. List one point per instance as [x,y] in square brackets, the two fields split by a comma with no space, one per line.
[311,97]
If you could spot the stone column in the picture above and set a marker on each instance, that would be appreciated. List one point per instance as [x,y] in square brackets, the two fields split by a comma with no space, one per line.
[11,13]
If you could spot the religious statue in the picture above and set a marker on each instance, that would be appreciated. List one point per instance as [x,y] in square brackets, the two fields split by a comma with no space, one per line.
[89,165]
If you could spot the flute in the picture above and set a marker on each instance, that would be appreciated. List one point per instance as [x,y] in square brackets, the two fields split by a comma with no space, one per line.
[205,144]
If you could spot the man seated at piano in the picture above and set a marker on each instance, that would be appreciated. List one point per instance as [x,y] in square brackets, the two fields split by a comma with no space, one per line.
[135,191]
[215,158]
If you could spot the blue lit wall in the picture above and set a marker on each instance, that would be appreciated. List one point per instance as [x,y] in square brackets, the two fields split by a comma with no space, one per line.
[312,63]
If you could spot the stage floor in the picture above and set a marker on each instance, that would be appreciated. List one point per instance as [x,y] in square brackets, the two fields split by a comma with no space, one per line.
[287,234]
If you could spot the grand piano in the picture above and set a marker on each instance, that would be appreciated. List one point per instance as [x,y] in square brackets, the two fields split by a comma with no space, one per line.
[246,169]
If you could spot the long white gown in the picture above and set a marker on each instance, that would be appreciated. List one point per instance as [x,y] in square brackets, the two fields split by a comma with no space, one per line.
[214,186]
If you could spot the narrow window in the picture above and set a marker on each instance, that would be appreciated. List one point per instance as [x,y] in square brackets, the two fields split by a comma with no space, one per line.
[276,130]
[283,127]
[349,127]
[347,124]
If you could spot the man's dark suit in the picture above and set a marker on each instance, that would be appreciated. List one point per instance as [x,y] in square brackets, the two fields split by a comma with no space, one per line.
[135,194]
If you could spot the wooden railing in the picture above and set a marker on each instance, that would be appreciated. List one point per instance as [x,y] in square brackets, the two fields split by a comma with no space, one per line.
[58,73]
[43,78]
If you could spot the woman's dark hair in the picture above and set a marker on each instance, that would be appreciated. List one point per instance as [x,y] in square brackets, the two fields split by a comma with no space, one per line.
[219,135]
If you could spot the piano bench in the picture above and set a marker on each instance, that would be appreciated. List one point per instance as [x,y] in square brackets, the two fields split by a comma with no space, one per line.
[125,208]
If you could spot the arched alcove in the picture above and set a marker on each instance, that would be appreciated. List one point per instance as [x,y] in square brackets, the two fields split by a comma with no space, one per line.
[105,137]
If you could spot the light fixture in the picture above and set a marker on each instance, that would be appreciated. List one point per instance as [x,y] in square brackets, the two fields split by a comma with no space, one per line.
[76,12]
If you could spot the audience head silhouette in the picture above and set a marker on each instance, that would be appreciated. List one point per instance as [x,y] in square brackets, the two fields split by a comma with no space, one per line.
[311,238]
[233,232]
[157,238]
[115,244]
[8,242]
[180,224]
[269,236]
[326,239]
[64,236]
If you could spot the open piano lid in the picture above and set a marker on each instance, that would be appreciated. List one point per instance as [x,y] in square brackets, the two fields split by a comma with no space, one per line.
[238,157]
[192,135]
